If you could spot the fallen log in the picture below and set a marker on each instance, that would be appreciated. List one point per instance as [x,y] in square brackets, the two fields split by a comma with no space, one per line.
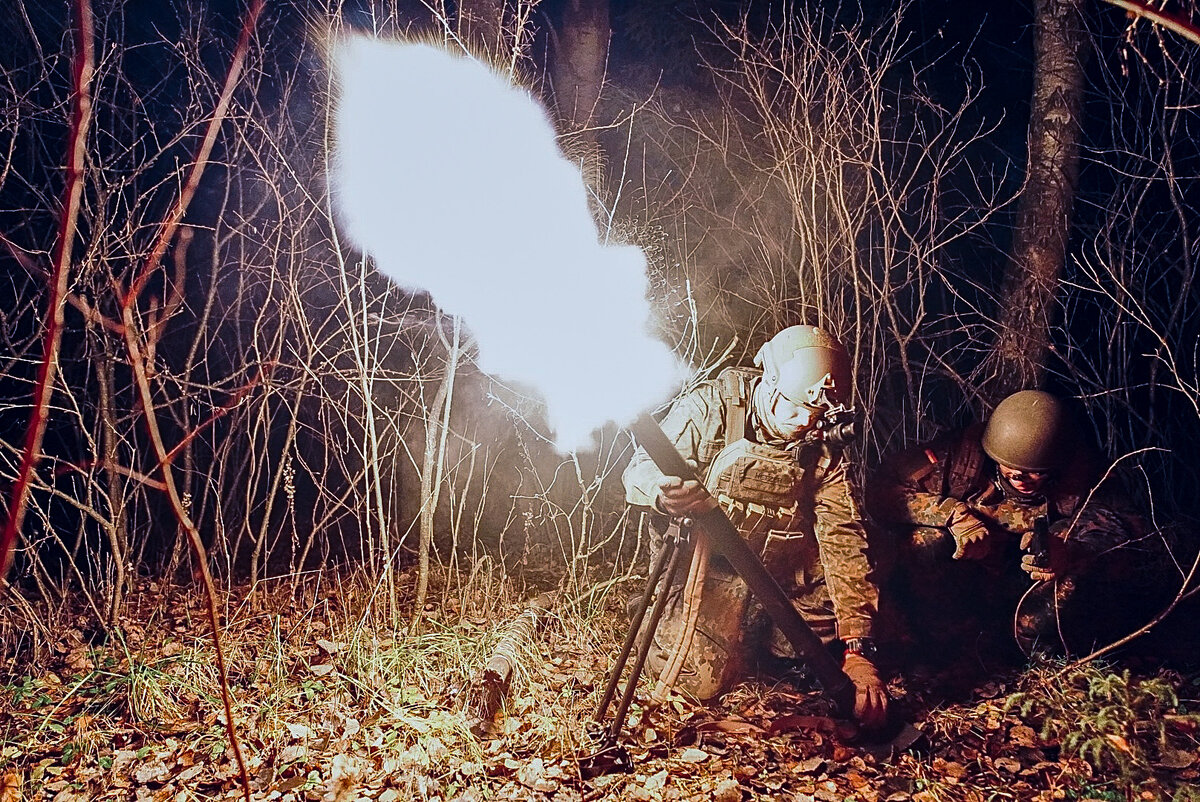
[490,686]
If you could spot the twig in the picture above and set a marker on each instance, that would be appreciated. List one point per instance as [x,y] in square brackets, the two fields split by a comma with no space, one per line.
[193,534]
[1185,590]
[1166,19]
[84,68]
[1088,499]
[138,363]
[431,472]
[234,401]
[171,223]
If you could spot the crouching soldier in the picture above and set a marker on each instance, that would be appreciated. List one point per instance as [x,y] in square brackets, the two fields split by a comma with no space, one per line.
[766,442]
[1006,527]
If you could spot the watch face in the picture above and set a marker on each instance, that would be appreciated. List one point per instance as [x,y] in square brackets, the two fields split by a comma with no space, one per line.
[863,646]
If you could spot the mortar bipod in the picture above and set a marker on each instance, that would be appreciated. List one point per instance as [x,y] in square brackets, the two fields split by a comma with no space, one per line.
[608,755]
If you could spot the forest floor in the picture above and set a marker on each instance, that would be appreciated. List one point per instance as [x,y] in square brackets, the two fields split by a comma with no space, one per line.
[332,705]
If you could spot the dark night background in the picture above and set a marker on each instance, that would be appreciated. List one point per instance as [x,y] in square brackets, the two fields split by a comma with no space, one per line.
[656,51]
[394,540]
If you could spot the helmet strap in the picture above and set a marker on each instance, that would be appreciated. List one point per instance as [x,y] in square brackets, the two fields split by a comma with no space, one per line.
[1012,494]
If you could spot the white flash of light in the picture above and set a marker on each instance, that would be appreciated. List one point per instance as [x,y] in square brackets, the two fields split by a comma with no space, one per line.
[451,178]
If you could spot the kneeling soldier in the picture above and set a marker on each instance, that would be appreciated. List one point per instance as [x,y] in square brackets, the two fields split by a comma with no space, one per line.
[766,442]
[981,513]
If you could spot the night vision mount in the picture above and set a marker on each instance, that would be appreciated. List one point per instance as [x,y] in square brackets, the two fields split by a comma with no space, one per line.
[838,427]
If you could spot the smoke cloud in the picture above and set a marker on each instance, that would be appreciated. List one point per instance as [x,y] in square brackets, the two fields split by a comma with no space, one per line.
[451,178]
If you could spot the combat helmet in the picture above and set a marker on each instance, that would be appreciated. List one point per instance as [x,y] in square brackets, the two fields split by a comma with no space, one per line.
[806,365]
[1028,431]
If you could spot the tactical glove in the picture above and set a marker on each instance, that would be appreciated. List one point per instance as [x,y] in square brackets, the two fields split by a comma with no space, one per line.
[970,533]
[870,697]
[679,498]
[1038,573]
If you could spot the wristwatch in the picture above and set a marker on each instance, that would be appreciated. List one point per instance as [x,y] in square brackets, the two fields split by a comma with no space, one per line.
[861,646]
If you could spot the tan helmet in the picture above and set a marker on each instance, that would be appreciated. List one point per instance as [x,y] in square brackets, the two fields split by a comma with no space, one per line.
[806,365]
[1027,431]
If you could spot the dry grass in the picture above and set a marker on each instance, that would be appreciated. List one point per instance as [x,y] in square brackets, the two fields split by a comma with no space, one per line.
[334,701]
[316,675]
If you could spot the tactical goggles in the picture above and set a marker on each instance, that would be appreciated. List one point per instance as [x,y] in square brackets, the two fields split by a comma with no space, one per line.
[818,396]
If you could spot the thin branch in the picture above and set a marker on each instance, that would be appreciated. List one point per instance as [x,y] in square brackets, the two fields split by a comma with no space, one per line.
[84,68]
[171,223]
[141,376]
[1166,19]
[138,364]
[1186,589]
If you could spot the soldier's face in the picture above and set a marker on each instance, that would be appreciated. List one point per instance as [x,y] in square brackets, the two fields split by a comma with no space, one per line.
[790,419]
[1025,482]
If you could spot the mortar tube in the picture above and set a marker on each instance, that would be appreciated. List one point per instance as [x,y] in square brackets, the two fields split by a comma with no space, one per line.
[725,540]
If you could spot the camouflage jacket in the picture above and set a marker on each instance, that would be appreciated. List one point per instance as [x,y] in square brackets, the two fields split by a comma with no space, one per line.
[824,507]
[920,487]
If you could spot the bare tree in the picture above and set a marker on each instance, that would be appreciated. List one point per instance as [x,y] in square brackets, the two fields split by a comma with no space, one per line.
[1027,298]
[579,62]
[818,182]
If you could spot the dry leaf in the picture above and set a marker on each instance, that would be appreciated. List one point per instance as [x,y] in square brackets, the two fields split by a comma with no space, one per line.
[727,790]
[298,731]
[1023,736]
[1119,743]
[10,787]
[533,775]
[731,725]
[949,768]
[1176,759]
[1011,765]
[856,780]
[79,660]
[812,765]
[791,723]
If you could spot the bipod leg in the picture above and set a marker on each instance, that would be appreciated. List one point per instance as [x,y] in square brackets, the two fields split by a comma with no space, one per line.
[609,754]
[660,604]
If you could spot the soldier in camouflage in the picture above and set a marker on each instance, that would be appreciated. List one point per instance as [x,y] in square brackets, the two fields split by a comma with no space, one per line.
[765,442]
[1008,523]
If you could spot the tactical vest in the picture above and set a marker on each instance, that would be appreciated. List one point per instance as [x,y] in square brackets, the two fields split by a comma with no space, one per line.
[757,485]
[957,462]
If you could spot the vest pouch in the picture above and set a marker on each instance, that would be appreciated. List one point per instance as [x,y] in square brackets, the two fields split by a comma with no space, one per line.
[756,486]
[753,473]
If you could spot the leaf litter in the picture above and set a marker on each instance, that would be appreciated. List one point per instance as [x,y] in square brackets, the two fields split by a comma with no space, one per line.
[336,703]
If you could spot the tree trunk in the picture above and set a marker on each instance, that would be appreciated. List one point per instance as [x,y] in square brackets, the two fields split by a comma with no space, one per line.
[1044,214]
[580,61]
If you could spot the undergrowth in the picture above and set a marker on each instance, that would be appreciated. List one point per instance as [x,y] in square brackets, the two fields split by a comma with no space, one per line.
[1133,729]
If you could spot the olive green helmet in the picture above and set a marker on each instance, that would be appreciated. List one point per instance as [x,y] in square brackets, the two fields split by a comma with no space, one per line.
[1027,431]
[806,365]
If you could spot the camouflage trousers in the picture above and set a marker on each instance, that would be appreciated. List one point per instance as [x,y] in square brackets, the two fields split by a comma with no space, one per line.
[731,632]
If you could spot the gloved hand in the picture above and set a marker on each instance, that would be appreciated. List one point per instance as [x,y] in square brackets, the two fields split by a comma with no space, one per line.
[870,697]
[679,498]
[970,533]
[1038,573]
